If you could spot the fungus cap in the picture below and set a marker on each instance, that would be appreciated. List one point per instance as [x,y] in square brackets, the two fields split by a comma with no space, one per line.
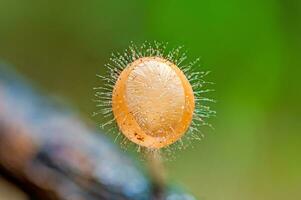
[153,102]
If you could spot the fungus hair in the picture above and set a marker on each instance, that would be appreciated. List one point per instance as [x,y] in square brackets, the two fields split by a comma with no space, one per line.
[153,97]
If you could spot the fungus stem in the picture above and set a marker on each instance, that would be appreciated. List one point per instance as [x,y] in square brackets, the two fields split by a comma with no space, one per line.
[156,172]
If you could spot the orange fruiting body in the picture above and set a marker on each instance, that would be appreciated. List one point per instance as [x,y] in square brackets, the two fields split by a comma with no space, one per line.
[153,102]
[152,97]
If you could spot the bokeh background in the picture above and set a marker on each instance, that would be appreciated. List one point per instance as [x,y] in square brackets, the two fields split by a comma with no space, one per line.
[253,49]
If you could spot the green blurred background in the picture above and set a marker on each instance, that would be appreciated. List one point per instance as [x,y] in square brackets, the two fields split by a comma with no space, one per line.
[253,49]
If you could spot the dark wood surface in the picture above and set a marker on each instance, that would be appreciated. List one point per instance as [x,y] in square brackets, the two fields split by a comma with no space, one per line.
[48,152]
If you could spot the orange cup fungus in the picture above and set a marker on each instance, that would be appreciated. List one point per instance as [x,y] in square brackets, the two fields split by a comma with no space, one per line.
[153,96]
[153,102]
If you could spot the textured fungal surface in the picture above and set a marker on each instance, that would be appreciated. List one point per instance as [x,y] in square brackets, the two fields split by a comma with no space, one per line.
[152,97]
[153,102]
